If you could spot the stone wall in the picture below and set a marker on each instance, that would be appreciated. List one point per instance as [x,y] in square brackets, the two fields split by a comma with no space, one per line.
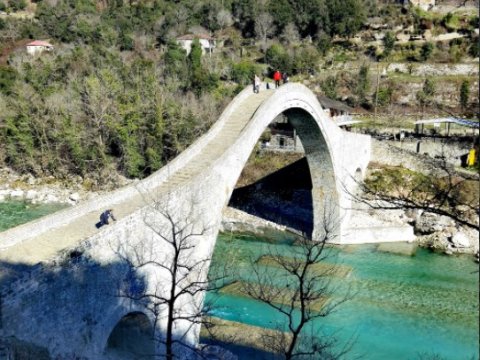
[419,153]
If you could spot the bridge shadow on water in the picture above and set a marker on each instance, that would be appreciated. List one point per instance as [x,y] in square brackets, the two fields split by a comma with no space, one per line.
[284,197]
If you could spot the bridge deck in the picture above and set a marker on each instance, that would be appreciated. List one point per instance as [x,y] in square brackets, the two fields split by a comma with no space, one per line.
[45,245]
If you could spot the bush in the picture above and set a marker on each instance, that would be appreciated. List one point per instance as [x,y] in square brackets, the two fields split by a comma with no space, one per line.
[474,49]
[305,61]
[7,78]
[451,22]
[17,5]
[3,7]
[278,59]
[426,51]
[243,72]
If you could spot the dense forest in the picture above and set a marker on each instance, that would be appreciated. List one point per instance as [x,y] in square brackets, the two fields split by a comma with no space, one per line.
[118,94]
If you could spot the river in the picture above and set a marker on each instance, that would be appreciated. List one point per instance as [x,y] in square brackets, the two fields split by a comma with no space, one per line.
[404,307]
[13,213]
[424,306]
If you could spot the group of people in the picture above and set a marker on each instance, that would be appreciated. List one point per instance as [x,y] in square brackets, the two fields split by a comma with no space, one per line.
[277,77]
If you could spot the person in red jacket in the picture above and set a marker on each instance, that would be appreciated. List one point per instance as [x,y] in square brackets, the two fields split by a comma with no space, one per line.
[277,77]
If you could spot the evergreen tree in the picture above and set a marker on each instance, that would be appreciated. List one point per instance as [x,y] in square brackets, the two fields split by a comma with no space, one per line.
[464,94]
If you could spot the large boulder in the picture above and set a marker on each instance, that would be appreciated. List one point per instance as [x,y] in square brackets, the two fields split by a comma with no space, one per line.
[428,223]
[460,240]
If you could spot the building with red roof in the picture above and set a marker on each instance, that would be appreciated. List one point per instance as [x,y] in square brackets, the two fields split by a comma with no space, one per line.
[38,46]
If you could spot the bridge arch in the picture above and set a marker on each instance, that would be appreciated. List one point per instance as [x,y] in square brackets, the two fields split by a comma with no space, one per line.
[322,141]
[133,334]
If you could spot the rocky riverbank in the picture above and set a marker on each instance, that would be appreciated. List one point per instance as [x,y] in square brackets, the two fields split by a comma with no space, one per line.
[72,190]
[438,233]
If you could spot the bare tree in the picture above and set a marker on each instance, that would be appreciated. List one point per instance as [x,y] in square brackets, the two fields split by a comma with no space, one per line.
[176,299]
[304,296]
[290,34]
[442,192]
[264,27]
[224,19]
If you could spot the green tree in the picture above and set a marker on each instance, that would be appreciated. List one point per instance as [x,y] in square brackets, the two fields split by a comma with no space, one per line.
[388,43]
[426,51]
[425,97]
[243,72]
[17,5]
[245,12]
[329,86]
[176,61]
[306,60]
[282,13]
[7,79]
[208,15]
[464,94]
[200,79]
[324,42]
[125,42]
[363,84]
[384,96]
[277,57]
[346,17]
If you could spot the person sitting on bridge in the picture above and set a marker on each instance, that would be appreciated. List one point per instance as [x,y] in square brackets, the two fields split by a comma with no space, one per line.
[104,218]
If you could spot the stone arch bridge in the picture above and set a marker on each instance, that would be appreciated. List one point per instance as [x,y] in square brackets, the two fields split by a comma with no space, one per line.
[60,274]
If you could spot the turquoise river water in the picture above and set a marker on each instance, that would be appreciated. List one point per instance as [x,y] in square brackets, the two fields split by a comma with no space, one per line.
[13,213]
[405,307]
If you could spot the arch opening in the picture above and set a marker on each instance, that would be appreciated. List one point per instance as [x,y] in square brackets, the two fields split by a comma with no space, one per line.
[132,337]
[302,194]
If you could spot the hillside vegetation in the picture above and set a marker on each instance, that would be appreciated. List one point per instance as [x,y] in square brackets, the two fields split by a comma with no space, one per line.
[118,94]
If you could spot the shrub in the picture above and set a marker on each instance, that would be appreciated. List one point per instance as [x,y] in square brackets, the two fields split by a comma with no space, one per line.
[277,57]
[426,51]
[17,5]
[451,22]
[474,49]
[243,72]
[7,78]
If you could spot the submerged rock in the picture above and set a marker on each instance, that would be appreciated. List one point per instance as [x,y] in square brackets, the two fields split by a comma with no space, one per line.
[399,248]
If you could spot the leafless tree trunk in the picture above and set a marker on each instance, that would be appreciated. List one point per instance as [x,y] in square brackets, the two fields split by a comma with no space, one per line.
[442,192]
[303,297]
[264,28]
[170,255]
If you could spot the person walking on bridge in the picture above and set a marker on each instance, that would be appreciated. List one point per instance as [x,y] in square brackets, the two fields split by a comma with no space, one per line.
[256,84]
[277,77]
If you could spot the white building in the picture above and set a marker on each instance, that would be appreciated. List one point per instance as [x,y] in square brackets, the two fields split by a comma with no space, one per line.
[38,46]
[423,4]
[206,42]
[337,111]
